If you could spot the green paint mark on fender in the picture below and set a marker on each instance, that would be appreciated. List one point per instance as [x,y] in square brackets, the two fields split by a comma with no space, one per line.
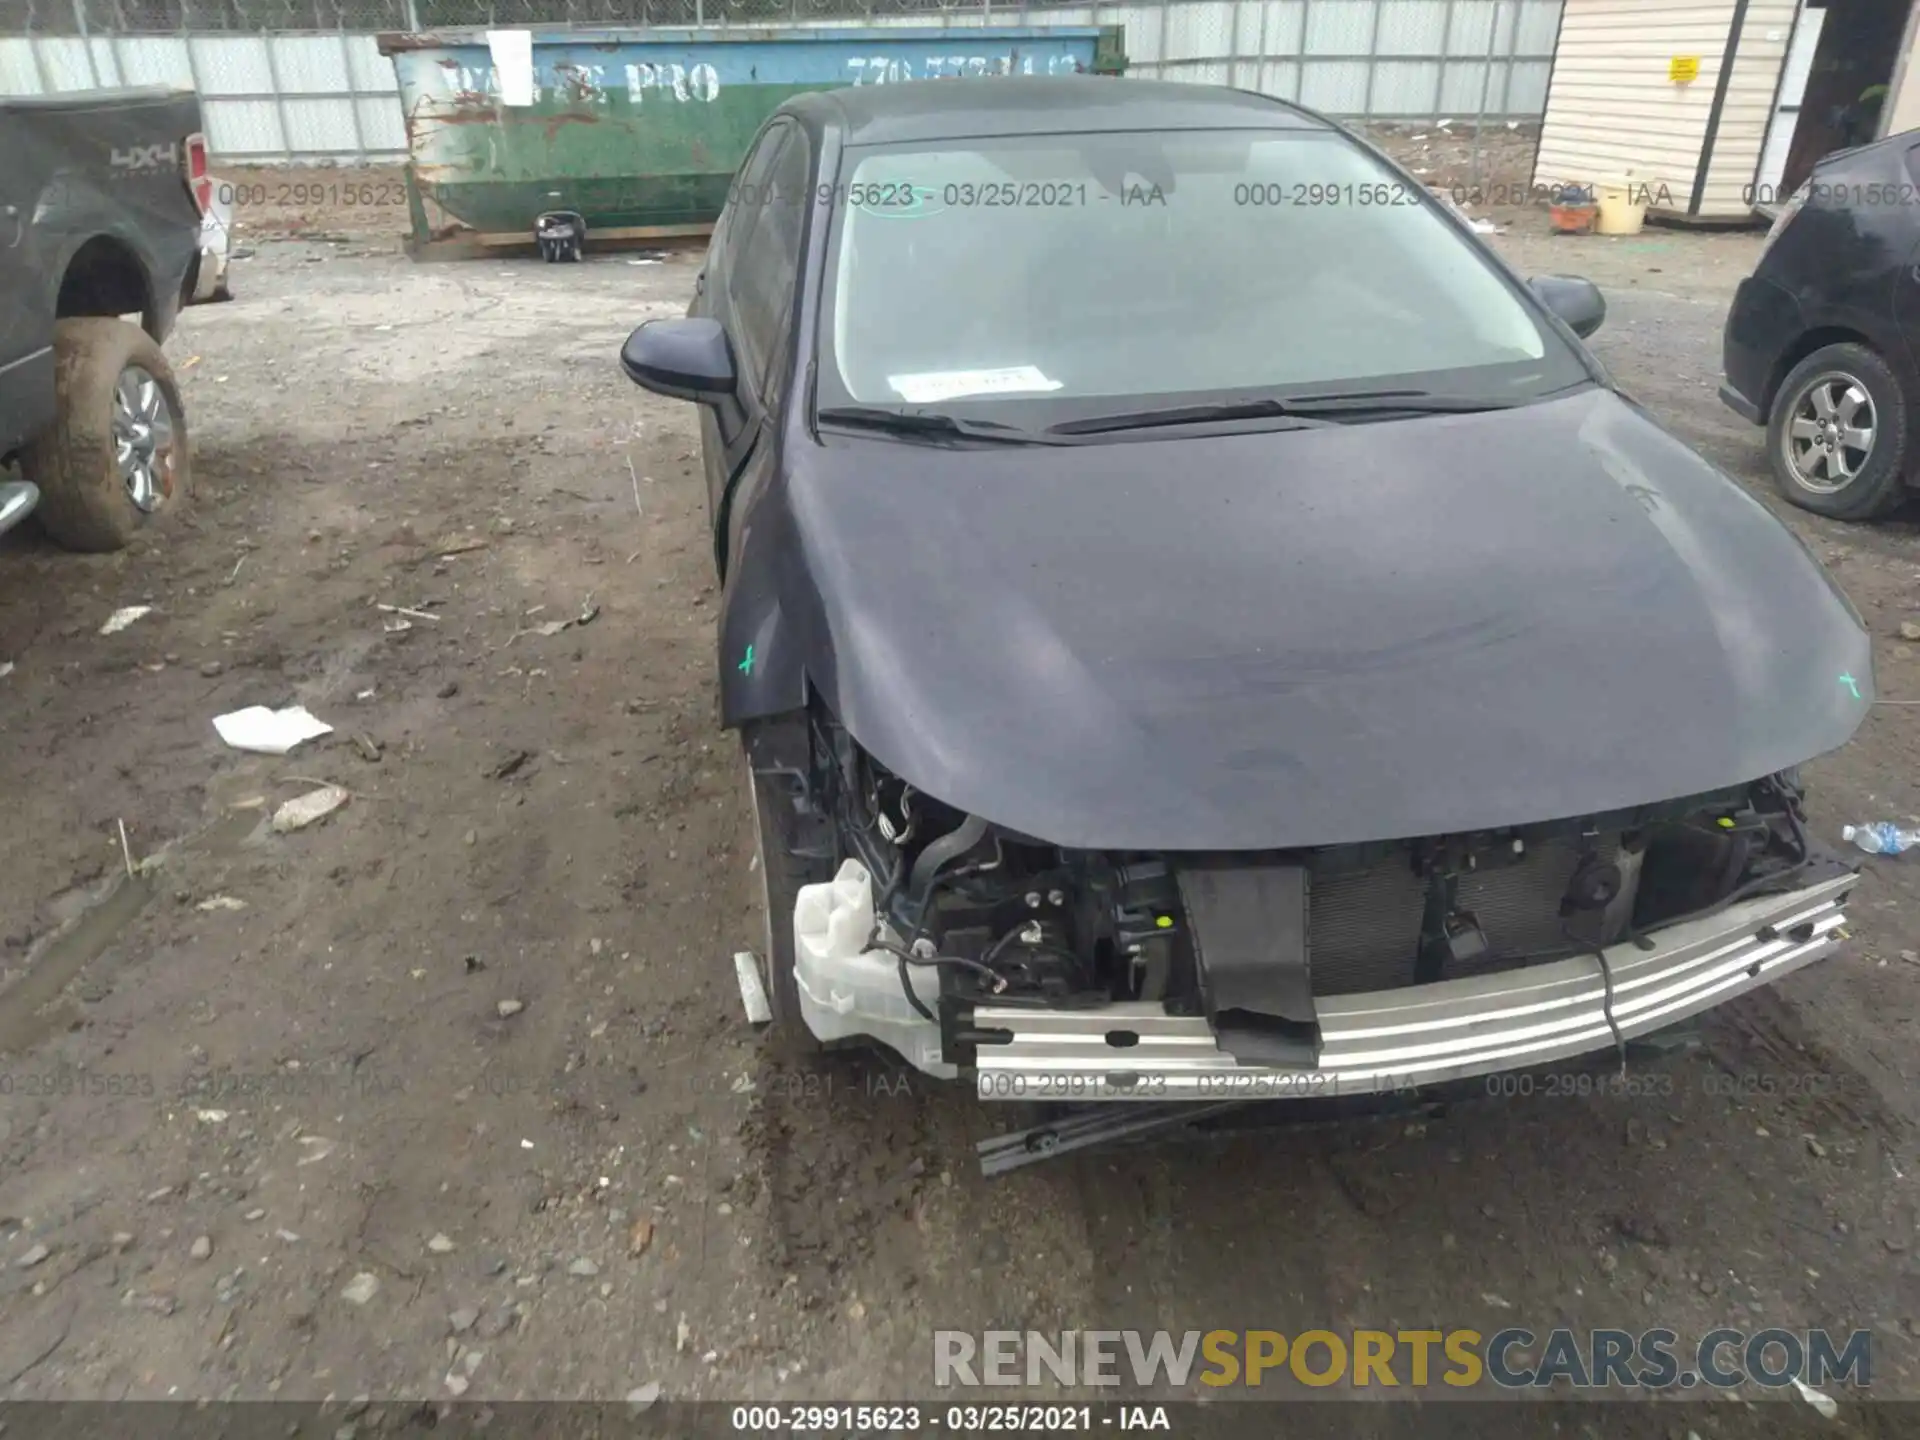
[1846,680]
[745,666]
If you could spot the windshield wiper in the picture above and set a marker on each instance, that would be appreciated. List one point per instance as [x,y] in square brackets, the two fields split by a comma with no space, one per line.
[1357,404]
[931,422]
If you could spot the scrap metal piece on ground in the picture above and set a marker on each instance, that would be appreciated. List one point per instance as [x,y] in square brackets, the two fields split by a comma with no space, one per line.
[753,992]
[1087,1126]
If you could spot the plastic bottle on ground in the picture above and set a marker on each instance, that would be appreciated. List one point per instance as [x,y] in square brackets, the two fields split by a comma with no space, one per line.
[1882,837]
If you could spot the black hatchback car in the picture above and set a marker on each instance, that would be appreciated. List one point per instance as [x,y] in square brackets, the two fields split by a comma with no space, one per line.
[1200,625]
[1819,345]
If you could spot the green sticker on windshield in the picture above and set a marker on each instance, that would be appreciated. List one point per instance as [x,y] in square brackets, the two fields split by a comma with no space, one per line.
[906,202]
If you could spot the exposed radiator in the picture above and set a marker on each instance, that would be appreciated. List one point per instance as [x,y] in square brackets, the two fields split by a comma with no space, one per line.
[1363,926]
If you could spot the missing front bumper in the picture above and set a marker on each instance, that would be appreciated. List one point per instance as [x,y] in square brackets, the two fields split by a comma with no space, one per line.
[1419,1035]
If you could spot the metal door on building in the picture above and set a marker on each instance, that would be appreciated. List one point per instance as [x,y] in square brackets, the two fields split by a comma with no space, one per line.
[1794,73]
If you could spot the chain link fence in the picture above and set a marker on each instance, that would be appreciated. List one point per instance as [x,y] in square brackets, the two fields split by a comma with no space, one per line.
[303,80]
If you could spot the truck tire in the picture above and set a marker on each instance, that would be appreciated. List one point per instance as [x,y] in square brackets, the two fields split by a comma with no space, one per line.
[116,459]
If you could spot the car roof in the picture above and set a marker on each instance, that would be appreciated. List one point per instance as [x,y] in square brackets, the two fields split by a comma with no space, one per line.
[1038,105]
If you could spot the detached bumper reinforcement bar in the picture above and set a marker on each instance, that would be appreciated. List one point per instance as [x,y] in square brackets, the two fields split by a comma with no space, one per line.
[1390,1040]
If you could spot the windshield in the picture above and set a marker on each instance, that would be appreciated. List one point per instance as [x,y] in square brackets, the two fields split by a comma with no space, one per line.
[1058,275]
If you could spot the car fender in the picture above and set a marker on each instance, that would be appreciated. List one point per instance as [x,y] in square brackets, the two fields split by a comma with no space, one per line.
[74,216]
[1875,326]
[762,665]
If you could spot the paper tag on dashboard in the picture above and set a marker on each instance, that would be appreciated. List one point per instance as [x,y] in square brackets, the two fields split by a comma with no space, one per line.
[952,384]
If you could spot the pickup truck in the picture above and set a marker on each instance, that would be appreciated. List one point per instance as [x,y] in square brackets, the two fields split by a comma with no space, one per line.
[104,203]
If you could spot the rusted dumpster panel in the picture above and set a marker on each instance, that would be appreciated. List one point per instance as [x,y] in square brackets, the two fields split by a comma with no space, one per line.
[640,130]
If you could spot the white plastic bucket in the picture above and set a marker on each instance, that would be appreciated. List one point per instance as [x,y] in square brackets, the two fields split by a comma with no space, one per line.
[1619,210]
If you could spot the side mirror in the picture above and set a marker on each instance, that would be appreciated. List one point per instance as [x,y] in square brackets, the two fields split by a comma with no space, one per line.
[682,359]
[1576,301]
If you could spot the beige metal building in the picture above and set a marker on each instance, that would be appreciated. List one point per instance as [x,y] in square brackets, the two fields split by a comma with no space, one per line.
[1716,110]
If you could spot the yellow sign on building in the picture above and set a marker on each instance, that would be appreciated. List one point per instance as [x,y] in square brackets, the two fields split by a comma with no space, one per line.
[1683,69]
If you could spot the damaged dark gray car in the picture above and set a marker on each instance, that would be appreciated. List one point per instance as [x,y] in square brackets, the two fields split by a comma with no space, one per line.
[1200,626]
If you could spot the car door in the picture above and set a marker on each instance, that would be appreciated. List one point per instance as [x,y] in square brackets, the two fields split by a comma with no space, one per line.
[1903,229]
[762,273]
[723,428]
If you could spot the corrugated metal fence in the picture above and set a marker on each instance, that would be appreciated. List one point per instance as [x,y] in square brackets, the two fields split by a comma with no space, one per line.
[302,80]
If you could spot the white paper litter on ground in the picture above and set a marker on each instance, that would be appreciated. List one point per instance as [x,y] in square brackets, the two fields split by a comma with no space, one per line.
[938,385]
[1487,227]
[124,617]
[269,732]
[753,994]
[303,810]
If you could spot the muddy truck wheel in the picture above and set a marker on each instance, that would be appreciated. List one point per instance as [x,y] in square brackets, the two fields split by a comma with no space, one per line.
[115,461]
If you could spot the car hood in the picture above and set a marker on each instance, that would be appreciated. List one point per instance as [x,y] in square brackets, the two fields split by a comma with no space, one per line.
[1312,637]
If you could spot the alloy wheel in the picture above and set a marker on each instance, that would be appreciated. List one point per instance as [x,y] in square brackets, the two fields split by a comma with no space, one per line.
[144,432]
[1829,433]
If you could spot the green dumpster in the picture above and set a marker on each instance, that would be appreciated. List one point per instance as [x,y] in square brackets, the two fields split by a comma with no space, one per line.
[640,130]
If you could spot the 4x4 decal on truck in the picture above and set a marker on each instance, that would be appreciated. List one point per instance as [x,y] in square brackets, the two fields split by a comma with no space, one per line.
[145,157]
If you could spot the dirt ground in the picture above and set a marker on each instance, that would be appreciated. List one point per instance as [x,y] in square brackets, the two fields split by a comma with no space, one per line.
[267,1111]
